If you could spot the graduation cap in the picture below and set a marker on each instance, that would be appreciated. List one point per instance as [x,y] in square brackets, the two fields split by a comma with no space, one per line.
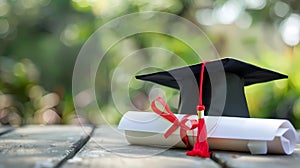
[223,85]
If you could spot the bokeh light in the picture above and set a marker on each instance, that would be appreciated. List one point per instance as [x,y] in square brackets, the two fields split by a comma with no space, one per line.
[40,40]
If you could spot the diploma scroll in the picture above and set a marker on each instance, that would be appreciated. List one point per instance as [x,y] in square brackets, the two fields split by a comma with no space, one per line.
[257,136]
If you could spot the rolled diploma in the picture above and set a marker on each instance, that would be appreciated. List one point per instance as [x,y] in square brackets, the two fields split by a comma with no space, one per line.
[257,136]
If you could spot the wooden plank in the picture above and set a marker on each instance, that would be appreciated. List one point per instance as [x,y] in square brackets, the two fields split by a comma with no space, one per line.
[108,148]
[245,160]
[5,129]
[40,146]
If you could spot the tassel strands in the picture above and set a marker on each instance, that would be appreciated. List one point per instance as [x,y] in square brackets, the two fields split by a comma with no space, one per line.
[201,147]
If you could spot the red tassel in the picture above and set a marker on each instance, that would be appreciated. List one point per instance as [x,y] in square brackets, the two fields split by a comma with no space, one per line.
[201,147]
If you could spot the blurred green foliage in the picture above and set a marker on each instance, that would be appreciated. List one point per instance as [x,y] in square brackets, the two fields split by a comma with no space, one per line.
[40,39]
[24,100]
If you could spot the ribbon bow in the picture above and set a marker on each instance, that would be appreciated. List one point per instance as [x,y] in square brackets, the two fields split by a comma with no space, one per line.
[201,147]
[168,115]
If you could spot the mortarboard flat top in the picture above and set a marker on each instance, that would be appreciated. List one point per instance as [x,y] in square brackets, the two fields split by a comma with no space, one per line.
[238,74]
[252,74]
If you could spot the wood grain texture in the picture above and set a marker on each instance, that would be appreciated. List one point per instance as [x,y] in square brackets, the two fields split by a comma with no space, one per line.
[39,146]
[55,146]
[5,129]
[109,148]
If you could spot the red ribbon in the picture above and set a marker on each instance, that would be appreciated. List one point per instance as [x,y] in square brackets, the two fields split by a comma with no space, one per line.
[201,147]
[168,115]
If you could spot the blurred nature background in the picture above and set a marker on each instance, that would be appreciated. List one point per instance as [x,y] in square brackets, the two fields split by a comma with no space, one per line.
[40,40]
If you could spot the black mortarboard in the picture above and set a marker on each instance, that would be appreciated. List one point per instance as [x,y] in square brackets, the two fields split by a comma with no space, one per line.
[223,85]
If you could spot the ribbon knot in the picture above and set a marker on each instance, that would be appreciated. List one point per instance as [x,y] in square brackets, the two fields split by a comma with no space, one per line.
[168,115]
[201,147]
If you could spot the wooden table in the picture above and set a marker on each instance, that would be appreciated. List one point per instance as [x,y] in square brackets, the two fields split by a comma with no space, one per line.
[105,146]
